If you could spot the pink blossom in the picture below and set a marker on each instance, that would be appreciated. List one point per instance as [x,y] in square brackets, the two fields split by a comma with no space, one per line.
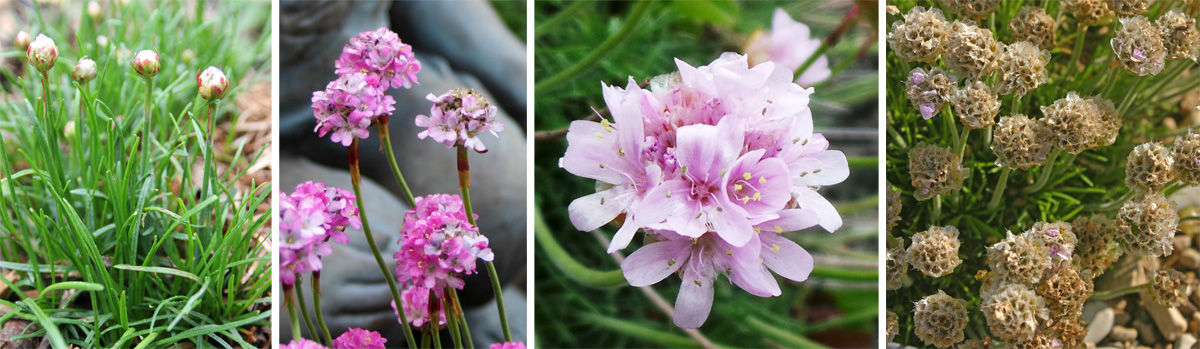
[700,260]
[357,338]
[508,345]
[308,219]
[348,106]
[302,344]
[789,43]
[438,244]
[458,118]
[416,306]
[382,59]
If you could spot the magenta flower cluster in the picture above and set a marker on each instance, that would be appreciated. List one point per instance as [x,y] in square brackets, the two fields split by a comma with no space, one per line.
[438,244]
[302,344]
[459,117]
[357,338]
[373,62]
[508,345]
[308,219]
[713,162]
[416,306]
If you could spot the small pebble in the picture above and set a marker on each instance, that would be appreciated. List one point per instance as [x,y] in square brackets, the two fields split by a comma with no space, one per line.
[1190,259]
[1123,334]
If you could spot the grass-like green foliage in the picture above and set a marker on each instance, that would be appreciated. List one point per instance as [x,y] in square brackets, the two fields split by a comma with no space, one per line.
[1092,182]
[154,266]
[597,308]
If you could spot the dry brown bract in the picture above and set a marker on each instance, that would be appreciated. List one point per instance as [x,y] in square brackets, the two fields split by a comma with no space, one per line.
[1148,225]
[935,251]
[1139,47]
[935,171]
[921,37]
[1032,24]
[1020,142]
[939,319]
[1148,167]
[1078,124]
[976,105]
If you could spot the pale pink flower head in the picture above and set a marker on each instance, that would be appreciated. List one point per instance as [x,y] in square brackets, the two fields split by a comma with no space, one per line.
[22,41]
[347,108]
[508,345]
[302,344]
[416,306]
[146,63]
[381,57]
[458,118]
[212,83]
[699,260]
[789,43]
[357,338]
[438,244]
[308,219]
[85,71]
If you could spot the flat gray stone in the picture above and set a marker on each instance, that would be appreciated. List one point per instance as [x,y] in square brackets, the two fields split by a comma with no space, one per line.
[1099,326]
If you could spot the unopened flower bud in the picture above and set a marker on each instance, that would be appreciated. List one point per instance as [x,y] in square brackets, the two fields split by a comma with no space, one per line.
[85,70]
[69,131]
[22,40]
[42,53]
[93,10]
[212,83]
[146,63]
[188,56]
[102,41]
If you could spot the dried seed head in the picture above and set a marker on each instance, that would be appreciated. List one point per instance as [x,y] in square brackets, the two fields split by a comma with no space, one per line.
[1057,236]
[893,325]
[1069,328]
[935,251]
[1013,312]
[1148,225]
[1078,124]
[1139,46]
[1019,258]
[1022,68]
[1066,289]
[921,37]
[1168,288]
[1148,167]
[935,171]
[1089,12]
[929,91]
[1032,24]
[1180,35]
[1187,158]
[1097,248]
[939,319]
[1129,8]
[976,105]
[893,207]
[973,9]
[972,51]
[1020,142]
[897,267]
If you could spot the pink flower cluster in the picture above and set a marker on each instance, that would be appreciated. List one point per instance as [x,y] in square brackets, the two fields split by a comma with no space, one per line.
[508,345]
[713,162]
[416,306]
[438,244]
[458,117]
[357,338]
[789,44]
[373,62]
[302,344]
[308,219]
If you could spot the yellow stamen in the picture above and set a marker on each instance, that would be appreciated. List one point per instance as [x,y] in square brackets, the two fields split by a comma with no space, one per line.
[747,175]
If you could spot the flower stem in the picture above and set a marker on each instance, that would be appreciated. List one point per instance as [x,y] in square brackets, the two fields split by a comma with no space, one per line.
[1078,52]
[464,183]
[304,311]
[385,137]
[316,287]
[962,143]
[356,182]
[1105,295]
[1045,175]
[831,40]
[146,126]
[290,303]
[452,321]
[937,207]
[466,331]
[433,321]
[1000,186]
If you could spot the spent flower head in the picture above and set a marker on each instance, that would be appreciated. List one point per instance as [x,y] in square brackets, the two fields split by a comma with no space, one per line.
[1148,223]
[1129,8]
[935,251]
[1169,288]
[1078,124]
[1186,152]
[458,117]
[976,105]
[438,244]
[935,170]
[939,319]
[929,90]
[42,53]
[1180,36]
[1148,167]
[1019,258]
[1020,142]
[146,63]
[1033,25]
[972,51]
[897,267]
[922,35]
[1022,68]
[1097,248]
[1013,312]
[1139,46]
[1089,12]
[212,83]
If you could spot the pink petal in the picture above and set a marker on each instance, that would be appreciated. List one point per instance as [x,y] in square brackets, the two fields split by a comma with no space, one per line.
[785,257]
[654,262]
[810,199]
[791,220]
[694,301]
[593,211]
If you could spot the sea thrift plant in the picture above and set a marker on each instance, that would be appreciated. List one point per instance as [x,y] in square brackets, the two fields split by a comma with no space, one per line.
[383,59]
[929,90]
[458,118]
[711,171]
[789,44]
[347,108]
